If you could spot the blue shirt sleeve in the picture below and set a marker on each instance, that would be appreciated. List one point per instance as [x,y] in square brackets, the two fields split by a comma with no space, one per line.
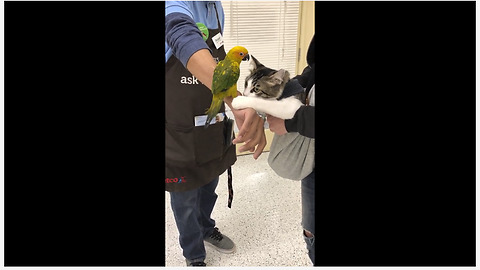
[182,36]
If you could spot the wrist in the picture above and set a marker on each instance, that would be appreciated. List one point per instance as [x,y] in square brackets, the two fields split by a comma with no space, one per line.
[228,101]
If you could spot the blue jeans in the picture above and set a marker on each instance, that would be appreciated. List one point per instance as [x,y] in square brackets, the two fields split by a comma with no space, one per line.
[308,213]
[192,210]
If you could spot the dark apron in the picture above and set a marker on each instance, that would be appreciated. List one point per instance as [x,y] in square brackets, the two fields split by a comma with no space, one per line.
[194,156]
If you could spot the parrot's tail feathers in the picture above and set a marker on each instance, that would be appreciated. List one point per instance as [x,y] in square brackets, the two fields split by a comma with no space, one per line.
[213,110]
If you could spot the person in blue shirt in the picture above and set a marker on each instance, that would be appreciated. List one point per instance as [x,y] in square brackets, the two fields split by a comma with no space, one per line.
[195,156]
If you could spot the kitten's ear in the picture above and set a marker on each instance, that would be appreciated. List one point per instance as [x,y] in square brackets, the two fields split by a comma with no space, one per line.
[255,64]
[281,75]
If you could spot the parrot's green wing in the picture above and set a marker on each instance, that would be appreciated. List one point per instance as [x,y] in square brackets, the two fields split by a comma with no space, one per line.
[225,75]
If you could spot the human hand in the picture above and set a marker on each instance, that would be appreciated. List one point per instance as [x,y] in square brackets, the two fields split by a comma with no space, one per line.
[251,131]
[276,125]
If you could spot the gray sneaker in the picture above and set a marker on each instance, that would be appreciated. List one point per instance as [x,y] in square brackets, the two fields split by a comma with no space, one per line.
[195,263]
[220,242]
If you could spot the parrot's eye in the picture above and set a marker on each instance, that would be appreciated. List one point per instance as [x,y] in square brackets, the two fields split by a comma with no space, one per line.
[241,54]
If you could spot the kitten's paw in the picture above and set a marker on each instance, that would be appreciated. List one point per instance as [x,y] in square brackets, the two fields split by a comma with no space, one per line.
[240,102]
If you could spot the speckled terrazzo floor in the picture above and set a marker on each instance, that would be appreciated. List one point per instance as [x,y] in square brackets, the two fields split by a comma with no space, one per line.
[264,221]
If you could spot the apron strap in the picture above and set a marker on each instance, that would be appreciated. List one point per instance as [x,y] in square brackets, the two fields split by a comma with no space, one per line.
[218,21]
[229,170]
[230,187]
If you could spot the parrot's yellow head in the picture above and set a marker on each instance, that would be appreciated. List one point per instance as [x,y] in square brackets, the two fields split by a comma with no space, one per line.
[238,53]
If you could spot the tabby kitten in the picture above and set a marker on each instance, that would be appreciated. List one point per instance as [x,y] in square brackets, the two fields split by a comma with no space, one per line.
[263,88]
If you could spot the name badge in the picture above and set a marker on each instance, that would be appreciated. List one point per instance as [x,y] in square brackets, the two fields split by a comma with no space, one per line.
[218,40]
[201,119]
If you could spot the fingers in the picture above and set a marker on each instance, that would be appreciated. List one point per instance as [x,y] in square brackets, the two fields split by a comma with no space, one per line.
[261,145]
[244,148]
[239,121]
[258,141]
[238,139]
[250,115]
[251,132]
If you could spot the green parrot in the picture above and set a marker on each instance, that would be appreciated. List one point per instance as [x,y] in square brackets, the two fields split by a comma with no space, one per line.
[225,79]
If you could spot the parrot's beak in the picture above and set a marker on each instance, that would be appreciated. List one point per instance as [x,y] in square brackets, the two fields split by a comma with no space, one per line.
[246,57]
